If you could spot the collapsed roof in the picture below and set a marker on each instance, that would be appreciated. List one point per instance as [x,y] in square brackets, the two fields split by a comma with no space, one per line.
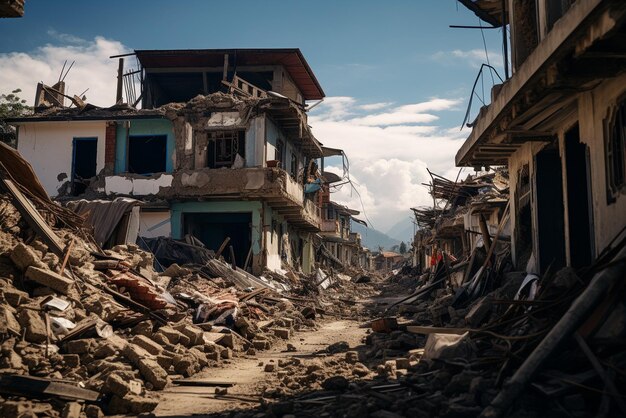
[291,58]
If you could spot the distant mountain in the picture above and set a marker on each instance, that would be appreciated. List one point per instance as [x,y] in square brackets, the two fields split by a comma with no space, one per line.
[403,230]
[372,238]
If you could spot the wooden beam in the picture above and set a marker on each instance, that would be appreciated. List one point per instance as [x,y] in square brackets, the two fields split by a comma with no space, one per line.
[524,135]
[35,387]
[34,219]
[225,72]
[418,329]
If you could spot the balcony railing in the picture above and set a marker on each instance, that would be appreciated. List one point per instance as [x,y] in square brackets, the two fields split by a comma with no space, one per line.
[272,185]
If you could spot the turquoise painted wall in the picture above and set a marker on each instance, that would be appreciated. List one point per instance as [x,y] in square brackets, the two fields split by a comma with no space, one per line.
[177,210]
[144,127]
[272,133]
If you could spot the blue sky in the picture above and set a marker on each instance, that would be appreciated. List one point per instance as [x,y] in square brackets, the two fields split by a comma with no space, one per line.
[372,59]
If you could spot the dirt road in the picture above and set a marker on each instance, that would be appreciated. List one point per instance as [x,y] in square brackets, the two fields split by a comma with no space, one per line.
[248,373]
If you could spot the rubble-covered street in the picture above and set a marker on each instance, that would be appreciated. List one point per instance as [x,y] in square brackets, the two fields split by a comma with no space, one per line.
[92,332]
[212,234]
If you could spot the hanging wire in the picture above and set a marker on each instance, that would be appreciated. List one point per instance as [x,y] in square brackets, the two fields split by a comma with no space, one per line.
[482,33]
[469,105]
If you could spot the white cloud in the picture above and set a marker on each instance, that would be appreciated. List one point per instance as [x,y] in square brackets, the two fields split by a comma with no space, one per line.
[388,161]
[389,146]
[375,106]
[472,57]
[336,107]
[395,118]
[93,69]
[65,37]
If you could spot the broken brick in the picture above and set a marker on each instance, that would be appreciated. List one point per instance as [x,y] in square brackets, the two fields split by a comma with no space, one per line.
[49,279]
[147,344]
[34,324]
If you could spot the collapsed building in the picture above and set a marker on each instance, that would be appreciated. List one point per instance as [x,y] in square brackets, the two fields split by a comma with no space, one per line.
[465,215]
[220,148]
[558,125]
[520,268]
[86,331]
[339,246]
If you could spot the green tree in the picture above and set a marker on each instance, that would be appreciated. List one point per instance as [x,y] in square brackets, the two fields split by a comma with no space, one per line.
[11,106]
[402,247]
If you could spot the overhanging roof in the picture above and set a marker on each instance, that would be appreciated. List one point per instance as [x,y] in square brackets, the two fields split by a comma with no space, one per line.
[291,58]
[331,177]
[344,209]
[330,152]
[115,112]
[488,10]
[573,54]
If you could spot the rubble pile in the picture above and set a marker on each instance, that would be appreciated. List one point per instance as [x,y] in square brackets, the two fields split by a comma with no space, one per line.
[469,336]
[75,320]
[86,331]
[435,354]
[108,323]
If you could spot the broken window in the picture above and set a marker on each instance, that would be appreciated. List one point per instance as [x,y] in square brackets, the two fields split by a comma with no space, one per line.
[279,153]
[615,153]
[523,241]
[147,154]
[294,166]
[525,34]
[224,146]
[83,163]
[555,9]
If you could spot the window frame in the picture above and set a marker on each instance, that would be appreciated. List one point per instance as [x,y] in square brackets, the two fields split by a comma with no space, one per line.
[615,150]
[233,139]
[293,167]
[132,137]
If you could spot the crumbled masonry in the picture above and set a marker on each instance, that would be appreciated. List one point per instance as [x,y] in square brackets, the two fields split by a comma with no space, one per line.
[109,323]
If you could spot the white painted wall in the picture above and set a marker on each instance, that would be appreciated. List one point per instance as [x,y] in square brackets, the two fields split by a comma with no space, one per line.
[155,224]
[272,238]
[47,146]
[593,109]
[122,185]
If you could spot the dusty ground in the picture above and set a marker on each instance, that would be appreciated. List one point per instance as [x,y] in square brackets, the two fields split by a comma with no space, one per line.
[249,376]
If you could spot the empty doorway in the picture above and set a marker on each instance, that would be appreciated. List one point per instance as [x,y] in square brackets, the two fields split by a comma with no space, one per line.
[550,210]
[213,228]
[578,200]
[83,163]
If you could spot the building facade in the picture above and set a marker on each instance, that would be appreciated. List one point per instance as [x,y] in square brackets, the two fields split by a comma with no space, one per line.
[221,148]
[559,125]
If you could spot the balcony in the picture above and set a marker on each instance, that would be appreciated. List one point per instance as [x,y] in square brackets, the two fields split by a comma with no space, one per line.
[329,225]
[355,237]
[272,185]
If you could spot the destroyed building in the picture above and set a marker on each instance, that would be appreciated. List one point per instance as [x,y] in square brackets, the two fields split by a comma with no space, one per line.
[11,8]
[465,215]
[220,148]
[558,124]
[340,247]
[386,261]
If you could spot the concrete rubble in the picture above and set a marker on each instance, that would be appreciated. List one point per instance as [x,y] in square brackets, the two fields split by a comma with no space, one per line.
[451,337]
[107,322]
[511,302]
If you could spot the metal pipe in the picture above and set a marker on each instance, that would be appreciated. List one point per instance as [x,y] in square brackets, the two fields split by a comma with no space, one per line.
[120,80]
[505,42]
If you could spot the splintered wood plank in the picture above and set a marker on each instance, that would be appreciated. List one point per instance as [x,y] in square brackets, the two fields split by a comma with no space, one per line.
[203,382]
[34,219]
[33,387]
[417,329]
